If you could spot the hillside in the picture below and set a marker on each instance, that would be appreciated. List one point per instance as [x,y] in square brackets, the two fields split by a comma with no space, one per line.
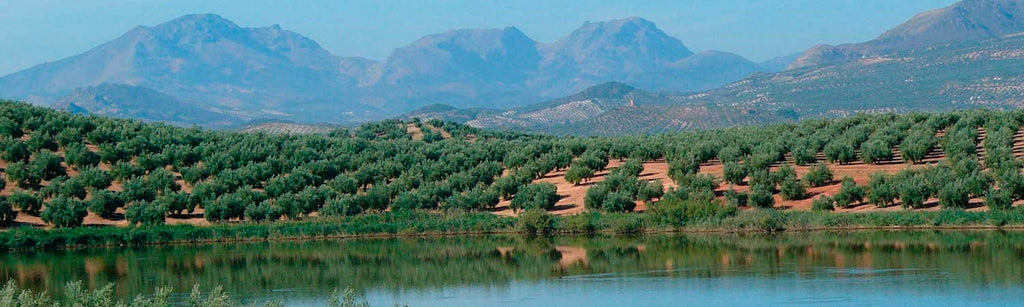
[962,21]
[973,74]
[65,170]
[126,101]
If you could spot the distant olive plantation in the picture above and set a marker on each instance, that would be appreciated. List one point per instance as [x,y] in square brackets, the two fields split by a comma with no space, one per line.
[64,169]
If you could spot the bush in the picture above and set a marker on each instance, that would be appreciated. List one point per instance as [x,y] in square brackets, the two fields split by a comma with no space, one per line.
[954,195]
[734,172]
[849,193]
[145,213]
[64,212]
[536,196]
[881,190]
[79,156]
[265,211]
[914,191]
[737,199]
[792,189]
[999,200]
[823,203]
[104,203]
[840,152]
[677,212]
[583,223]
[26,202]
[761,197]
[94,177]
[535,221]
[578,173]
[874,151]
[344,205]
[819,175]
[7,213]
[618,202]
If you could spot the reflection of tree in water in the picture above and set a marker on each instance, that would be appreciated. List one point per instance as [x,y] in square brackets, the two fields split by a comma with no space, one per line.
[428,263]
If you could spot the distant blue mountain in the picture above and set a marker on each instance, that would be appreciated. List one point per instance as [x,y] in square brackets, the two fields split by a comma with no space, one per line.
[211,63]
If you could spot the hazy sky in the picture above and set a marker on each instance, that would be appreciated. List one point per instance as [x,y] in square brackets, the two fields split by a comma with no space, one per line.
[37,31]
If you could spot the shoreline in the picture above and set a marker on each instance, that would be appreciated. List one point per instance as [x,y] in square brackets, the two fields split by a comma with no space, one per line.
[437,224]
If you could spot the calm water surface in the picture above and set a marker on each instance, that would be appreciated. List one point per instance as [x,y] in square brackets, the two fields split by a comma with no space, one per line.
[797,269]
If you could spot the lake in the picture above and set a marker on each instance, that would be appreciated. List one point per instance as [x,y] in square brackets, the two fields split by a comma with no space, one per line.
[923,268]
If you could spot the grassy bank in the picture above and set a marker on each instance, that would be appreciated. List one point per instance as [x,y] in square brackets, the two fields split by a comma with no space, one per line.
[74,294]
[435,223]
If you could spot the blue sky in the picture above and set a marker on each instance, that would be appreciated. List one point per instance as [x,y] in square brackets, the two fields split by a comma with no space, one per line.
[37,31]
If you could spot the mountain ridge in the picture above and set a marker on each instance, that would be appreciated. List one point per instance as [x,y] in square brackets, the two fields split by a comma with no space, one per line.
[273,73]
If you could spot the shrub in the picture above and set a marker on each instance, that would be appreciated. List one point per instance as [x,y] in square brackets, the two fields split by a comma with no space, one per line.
[792,189]
[874,151]
[264,211]
[7,213]
[678,212]
[999,200]
[734,198]
[881,190]
[145,213]
[47,164]
[914,191]
[761,197]
[819,175]
[954,195]
[344,205]
[104,203]
[94,177]
[734,172]
[840,152]
[535,221]
[583,222]
[79,156]
[26,202]
[849,193]
[536,196]
[651,190]
[64,212]
[823,203]
[578,173]
[618,202]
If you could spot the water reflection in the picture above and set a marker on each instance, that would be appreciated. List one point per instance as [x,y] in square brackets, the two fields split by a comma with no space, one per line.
[312,268]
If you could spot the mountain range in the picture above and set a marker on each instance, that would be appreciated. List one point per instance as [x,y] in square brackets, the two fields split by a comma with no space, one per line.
[240,74]
[613,77]
[961,21]
[976,71]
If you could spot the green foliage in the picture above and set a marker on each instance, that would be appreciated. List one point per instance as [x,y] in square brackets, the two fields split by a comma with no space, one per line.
[999,199]
[823,203]
[819,175]
[882,191]
[734,172]
[849,193]
[578,173]
[840,151]
[79,156]
[64,212]
[143,213]
[761,197]
[7,213]
[736,199]
[535,221]
[874,151]
[955,194]
[536,196]
[677,212]
[26,202]
[792,189]
[104,203]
